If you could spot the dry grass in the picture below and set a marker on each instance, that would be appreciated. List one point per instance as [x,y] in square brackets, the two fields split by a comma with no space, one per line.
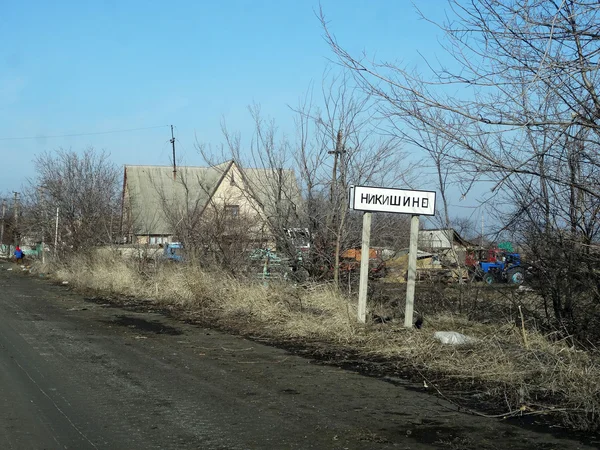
[537,378]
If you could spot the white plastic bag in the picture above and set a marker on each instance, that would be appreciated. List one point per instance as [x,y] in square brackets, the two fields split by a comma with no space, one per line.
[453,338]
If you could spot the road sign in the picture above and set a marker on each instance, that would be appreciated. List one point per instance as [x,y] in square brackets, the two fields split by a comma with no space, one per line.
[377,199]
[402,201]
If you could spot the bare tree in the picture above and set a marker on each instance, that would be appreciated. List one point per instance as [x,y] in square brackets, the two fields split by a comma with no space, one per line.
[518,108]
[84,187]
[337,144]
[465,227]
[8,232]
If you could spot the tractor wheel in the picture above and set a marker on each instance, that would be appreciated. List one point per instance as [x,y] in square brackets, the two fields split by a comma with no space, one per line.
[516,276]
[488,278]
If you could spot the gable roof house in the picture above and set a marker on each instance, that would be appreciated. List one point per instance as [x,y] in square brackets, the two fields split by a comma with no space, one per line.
[445,242]
[442,239]
[159,204]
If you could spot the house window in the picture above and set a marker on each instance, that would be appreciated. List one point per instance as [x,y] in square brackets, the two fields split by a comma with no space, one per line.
[232,210]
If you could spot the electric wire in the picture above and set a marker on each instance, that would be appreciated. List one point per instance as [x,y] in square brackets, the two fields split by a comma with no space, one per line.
[80,134]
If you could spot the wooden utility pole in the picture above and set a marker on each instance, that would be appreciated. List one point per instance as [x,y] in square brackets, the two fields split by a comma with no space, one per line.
[338,155]
[174,164]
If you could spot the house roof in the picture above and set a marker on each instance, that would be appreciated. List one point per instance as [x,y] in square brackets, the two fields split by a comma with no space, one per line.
[151,191]
[449,232]
[276,190]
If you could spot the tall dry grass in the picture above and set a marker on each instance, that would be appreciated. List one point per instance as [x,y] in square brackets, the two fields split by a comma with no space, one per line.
[527,374]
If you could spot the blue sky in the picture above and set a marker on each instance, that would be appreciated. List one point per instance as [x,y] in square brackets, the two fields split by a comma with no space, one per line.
[71,67]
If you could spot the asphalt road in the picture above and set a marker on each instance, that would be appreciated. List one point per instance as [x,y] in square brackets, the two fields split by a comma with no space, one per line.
[76,374]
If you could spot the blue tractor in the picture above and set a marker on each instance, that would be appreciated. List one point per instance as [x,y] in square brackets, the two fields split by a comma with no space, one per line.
[497,265]
[502,267]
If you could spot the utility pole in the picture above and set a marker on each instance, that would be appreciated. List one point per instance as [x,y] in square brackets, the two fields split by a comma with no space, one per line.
[173,143]
[3,220]
[42,203]
[56,235]
[16,227]
[481,240]
[338,154]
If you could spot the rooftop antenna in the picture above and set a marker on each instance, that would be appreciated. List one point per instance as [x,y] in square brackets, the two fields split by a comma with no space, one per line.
[174,166]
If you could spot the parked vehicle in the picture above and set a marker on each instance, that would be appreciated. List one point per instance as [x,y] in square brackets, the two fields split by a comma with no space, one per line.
[271,265]
[173,251]
[498,267]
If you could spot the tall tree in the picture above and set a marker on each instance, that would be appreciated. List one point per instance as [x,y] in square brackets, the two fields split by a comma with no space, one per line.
[519,108]
[337,144]
[85,189]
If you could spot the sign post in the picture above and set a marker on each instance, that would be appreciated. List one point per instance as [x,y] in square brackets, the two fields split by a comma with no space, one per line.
[364,268]
[412,271]
[401,201]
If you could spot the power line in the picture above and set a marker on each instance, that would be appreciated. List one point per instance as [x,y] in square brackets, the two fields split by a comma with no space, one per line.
[80,134]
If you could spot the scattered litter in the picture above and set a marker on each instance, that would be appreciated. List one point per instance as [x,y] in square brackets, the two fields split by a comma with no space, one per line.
[141,337]
[65,282]
[9,269]
[453,338]
[524,288]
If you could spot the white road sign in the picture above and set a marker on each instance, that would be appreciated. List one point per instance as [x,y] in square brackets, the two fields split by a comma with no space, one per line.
[376,199]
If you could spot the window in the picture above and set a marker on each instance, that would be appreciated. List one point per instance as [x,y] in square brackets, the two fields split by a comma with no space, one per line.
[232,210]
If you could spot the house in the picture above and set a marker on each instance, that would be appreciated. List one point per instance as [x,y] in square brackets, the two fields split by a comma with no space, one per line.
[160,203]
[442,239]
[446,242]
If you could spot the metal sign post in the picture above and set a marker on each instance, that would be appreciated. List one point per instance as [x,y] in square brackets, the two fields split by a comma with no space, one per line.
[401,201]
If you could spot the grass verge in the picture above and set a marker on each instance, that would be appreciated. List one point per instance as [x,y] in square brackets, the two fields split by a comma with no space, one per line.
[517,372]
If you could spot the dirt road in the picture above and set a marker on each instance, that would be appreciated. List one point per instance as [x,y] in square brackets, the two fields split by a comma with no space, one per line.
[76,374]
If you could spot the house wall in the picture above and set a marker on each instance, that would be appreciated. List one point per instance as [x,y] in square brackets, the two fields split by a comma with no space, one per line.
[233,192]
[435,239]
[152,239]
